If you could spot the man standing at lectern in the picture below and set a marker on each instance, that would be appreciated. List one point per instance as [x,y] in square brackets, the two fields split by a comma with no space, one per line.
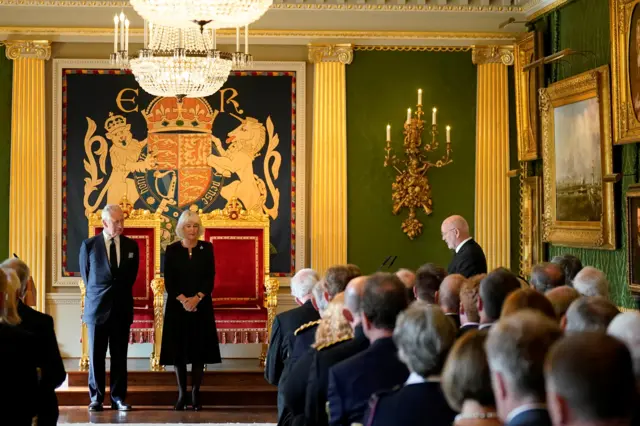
[469,259]
[109,266]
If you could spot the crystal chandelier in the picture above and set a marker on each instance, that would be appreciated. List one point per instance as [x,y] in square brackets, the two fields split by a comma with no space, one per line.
[180,62]
[192,13]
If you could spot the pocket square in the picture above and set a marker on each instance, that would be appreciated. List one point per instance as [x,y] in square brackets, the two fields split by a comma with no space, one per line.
[130,255]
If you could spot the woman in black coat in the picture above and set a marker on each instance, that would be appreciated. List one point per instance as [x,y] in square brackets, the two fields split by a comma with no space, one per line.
[189,334]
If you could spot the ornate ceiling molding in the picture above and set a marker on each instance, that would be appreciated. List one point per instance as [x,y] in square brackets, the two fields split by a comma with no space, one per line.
[532,16]
[481,55]
[342,53]
[19,49]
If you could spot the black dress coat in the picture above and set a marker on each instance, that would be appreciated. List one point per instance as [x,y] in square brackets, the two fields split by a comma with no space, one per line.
[189,337]
[469,261]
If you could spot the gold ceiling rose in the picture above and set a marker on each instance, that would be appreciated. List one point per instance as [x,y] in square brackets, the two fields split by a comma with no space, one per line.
[411,189]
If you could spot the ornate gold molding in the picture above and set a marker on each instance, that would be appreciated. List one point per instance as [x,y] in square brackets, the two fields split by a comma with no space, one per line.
[543,11]
[342,53]
[384,48]
[481,55]
[37,49]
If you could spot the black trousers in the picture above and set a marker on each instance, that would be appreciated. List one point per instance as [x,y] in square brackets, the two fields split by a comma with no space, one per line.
[115,335]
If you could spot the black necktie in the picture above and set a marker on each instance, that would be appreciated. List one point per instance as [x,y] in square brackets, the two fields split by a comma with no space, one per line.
[113,255]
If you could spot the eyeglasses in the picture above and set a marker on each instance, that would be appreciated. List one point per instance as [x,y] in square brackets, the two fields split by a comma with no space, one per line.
[447,231]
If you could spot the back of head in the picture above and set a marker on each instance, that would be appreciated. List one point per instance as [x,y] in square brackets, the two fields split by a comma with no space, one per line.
[466,375]
[9,285]
[460,223]
[494,289]
[383,299]
[408,278]
[424,335]
[353,294]
[302,283]
[428,280]
[591,282]
[527,299]
[318,296]
[21,269]
[517,346]
[333,325]
[593,374]
[545,276]
[626,328]
[570,264]
[469,297]
[590,314]
[449,294]
[561,298]
[337,278]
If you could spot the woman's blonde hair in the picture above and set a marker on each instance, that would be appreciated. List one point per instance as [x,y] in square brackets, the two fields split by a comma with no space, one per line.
[188,216]
[333,325]
[9,285]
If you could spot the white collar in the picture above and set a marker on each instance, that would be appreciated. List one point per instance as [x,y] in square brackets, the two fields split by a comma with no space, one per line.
[483,326]
[521,409]
[470,323]
[461,244]
[414,379]
[107,237]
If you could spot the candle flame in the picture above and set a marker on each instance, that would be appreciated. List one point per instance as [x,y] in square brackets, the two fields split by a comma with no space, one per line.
[448,127]
[115,19]
[121,16]
[434,109]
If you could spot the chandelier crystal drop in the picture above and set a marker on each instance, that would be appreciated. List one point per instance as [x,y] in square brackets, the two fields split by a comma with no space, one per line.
[193,13]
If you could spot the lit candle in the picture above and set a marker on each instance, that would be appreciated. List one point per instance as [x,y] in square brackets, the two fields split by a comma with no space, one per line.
[246,39]
[408,115]
[237,39]
[419,96]
[448,134]
[122,31]
[126,36]
[115,34]
[433,116]
[388,132]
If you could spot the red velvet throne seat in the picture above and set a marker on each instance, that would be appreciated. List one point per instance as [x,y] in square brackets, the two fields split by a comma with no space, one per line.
[148,290]
[244,295]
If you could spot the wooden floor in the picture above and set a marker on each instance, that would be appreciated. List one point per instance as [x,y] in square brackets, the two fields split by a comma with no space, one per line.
[167,415]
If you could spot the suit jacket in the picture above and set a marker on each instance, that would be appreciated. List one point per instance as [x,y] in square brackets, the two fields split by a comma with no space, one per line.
[469,261]
[281,335]
[323,360]
[108,291]
[353,381]
[533,417]
[48,359]
[294,389]
[411,405]
[455,318]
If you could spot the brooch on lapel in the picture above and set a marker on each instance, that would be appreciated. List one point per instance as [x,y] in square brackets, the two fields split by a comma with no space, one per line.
[130,255]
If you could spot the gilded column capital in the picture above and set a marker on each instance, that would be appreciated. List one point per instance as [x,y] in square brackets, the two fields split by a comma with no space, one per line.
[38,49]
[481,55]
[342,53]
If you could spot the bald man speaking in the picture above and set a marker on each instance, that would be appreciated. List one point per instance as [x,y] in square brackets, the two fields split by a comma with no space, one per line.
[469,259]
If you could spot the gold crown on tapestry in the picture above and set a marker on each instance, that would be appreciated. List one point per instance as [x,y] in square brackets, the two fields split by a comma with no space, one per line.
[167,115]
[114,122]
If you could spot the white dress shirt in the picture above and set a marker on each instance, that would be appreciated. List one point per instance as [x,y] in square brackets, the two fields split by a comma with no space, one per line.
[107,243]
[461,244]
[414,379]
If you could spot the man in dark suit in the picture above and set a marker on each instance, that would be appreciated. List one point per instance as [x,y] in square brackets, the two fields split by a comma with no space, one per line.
[109,266]
[48,359]
[448,297]
[469,259]
[518,386]
[469,316]
[494,289]
[353,381]
[546,276]
[428,279]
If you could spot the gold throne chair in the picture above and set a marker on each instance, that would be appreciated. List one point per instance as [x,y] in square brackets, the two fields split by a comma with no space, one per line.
[244,296]
[144,228]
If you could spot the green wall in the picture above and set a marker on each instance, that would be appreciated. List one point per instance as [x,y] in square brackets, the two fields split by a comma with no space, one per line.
[6,69]
[583,25]
[380,88]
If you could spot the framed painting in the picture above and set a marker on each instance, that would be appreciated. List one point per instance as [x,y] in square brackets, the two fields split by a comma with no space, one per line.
[633,237]
[530,234]
[577,159]
[625,69]
[527,84]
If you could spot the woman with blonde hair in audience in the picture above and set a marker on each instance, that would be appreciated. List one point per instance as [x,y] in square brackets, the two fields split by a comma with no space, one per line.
[333,328]
[466,382]
[9,314]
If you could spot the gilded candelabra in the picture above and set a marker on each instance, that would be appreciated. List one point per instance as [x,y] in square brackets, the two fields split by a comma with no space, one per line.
[411,188]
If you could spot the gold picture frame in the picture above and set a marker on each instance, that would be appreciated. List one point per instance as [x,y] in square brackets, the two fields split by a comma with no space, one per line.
[633,237]
[625,28]
[531,252]
[578,196]
[527,84]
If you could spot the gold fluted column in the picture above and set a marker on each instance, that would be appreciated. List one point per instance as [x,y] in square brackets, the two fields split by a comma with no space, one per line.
[27,194]
[492,219]
[329,162]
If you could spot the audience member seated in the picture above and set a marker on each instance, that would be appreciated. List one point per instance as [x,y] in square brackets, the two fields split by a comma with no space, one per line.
[424,336]
[590,381]
[545,276]
[469,315]
[353,381]
[571,266]
[466,381]
[408,278]
[329,355]
[333,327]
[337,277]
[626,328]
[428,280]
[448,297]
[561,298]
[590,314]
[516,350]
[494,289]
[527,299]
[48,356]
[18,364]
[591,282]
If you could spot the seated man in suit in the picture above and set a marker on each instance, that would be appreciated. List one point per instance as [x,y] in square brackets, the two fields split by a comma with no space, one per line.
[494,289]
[469,315]
[590,314]
[47,352]
[449,297]
[469,259]
[353,381]
[428,279]
[519,386]
[546,276]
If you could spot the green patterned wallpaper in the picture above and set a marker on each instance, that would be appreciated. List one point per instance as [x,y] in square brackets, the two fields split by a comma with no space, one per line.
[6,71]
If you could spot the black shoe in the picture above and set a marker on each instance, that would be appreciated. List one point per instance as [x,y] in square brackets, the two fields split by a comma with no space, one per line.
[120,406]
[95,406]
[181,404]
[195,400]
